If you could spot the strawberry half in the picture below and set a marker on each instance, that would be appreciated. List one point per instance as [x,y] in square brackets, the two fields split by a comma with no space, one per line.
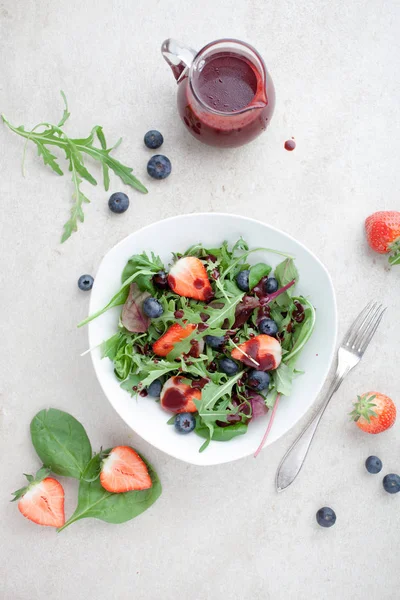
[374,412]
[262,352]
[176,333]
[188,277]
[383,233]
[177,396]
[124,471]
[42,500]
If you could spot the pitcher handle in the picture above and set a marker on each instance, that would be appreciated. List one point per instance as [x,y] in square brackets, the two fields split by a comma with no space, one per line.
[178,57]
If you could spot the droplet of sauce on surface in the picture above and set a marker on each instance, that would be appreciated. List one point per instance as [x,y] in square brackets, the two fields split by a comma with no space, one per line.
[290,145]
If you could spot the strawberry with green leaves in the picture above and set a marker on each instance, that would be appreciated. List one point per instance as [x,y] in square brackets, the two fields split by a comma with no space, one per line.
[374,412]
[42,500]
[383,234]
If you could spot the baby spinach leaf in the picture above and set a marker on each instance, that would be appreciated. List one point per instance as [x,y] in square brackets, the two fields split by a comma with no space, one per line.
[257,272]
[61,442]
[133,317]
[94,501]
[221,434]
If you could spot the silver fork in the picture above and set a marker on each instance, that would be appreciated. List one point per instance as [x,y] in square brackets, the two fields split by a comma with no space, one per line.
[350,353]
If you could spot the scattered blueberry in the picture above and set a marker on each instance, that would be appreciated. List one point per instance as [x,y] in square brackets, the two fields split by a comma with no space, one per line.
[228,366]
[258,380]
[153,139]
[160,280]
[155,388]
[373,464]
[242,280]
[152,308]
[159,166]
[271,285]
[85,283]
[118,202]
[214,341]
[391,483]
[326,517]
[268,327]
[185,422]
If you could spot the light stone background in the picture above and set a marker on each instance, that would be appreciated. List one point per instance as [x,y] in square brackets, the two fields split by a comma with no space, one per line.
[220,532]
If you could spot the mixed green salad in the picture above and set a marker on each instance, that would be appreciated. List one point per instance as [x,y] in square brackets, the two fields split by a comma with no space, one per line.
[212,338]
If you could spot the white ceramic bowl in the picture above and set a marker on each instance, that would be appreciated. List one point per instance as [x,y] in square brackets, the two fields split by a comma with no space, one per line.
[176,234]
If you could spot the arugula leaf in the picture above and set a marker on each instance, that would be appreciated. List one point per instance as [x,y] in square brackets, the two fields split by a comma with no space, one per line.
[257,272]
[151,263]
[74,148]
[94,501]
[118,298]
[61,442]
[66,114]
[285,273]
[208,407]
[110,347]
[303,333]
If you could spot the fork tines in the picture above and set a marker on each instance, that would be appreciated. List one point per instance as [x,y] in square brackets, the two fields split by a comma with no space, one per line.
[362,331]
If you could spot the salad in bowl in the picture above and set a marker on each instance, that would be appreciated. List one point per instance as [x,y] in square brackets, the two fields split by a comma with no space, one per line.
[211,336]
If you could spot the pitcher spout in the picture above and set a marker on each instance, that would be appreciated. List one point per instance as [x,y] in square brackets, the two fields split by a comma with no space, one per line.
[178,57]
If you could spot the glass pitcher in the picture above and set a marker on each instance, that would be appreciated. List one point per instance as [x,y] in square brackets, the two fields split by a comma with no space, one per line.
[226,96]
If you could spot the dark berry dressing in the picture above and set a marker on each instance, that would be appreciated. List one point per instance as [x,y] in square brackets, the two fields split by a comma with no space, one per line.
[211,104]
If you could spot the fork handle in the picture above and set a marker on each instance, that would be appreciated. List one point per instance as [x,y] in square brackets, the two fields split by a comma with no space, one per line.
[294,458]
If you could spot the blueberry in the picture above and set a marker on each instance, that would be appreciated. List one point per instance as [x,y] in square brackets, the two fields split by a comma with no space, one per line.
[373,464]
[160,280]
[228,366]
[152,308]
[258,380]
[391,483]
[214,341]
[118,202]
[154,388]
[326,517]
[159,166]
[271,285]
[85,283]
[242,280]
[268,327]
[185,422]
[153,139]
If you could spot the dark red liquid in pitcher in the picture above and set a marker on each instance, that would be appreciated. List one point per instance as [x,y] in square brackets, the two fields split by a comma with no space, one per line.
[211,102]
[227,83]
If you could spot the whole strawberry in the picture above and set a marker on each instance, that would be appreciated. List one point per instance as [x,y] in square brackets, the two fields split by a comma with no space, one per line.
[374,412]
[383,234]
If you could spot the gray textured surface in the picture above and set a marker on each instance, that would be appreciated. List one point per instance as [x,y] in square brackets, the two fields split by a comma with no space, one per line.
[218,532]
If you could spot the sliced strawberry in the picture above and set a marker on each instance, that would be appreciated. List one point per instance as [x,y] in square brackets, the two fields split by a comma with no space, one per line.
[42,501]
[262,352]
[177,396]
[176,333]
[188,277]
[123,471]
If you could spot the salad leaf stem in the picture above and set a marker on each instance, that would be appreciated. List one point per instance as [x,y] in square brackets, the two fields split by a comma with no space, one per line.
[269,427]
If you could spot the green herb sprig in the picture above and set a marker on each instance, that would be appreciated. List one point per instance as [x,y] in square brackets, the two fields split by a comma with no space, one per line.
[75,149]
